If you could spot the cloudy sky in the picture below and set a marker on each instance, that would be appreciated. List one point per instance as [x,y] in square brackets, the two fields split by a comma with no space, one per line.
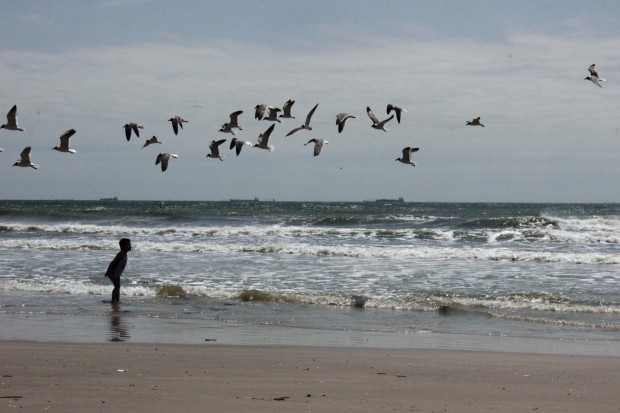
[549,136]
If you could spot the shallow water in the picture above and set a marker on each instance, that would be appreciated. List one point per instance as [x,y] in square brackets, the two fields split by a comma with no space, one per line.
[396,274]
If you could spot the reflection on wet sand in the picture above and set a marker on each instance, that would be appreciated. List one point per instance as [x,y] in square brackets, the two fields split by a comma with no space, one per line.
[118,330]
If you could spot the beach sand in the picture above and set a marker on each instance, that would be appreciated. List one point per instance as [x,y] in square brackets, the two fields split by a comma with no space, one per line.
[117,377]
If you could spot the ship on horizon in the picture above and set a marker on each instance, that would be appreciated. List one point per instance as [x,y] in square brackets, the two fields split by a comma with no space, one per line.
[244,200]
[387,200]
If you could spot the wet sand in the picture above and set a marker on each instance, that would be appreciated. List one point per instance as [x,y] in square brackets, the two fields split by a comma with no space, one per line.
[120,376]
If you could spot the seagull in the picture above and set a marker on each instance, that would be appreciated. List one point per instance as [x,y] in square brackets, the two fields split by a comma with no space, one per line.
[474,122]
[132,126]
[233,124]
[406,159]
[318,145]
[396,109]
[215,149]
[64,142]
[151,141]
[259,111]
[11,120]
[273,114]
[238,144]
[25,159]
[227,128]
[376,124]
[176,122]
[163,158]
[307,124]
[594,76]
[263,139]
[341,118]
[288,105]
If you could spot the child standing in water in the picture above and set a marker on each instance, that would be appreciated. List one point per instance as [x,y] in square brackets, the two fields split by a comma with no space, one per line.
[116,267]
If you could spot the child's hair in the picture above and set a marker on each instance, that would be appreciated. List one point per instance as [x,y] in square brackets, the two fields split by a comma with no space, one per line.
[124,241]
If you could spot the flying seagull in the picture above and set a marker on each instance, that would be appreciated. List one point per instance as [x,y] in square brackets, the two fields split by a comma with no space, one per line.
[163,158]
[226,128]
[238,144]
[318,145]
[259,111]
[406,158]
[230,127]
[177,121]
[64,142]
[273,114]
[11,120]
[594,76]
[151,141]
[132,126]
[341,118]
[215,149]
[396,110]
[263,139]
[307,124]
[474,122]
[376,124]
[25,159]
[286,109]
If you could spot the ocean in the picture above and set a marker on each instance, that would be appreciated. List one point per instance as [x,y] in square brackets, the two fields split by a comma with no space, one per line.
[502,277]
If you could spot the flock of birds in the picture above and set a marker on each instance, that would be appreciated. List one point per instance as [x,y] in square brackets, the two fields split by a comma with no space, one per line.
[262,112]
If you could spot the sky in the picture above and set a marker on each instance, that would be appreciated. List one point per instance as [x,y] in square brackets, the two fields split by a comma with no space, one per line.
[549,135]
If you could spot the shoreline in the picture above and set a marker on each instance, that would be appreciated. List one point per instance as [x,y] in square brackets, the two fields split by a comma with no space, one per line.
[73,377]
[124,328]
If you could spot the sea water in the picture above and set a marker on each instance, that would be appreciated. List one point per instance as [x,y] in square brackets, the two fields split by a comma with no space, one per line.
[390,273]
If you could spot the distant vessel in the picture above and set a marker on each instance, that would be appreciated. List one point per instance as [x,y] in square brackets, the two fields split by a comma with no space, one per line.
[244,200]
[388,201]
[114,199]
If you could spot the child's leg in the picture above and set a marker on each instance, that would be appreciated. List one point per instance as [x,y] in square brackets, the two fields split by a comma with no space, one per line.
[116,293]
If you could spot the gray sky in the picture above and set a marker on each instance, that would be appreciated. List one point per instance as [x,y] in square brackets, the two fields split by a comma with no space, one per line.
[550,136]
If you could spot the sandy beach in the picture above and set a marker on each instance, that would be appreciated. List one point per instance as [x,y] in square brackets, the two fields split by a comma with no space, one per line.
[115,377]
